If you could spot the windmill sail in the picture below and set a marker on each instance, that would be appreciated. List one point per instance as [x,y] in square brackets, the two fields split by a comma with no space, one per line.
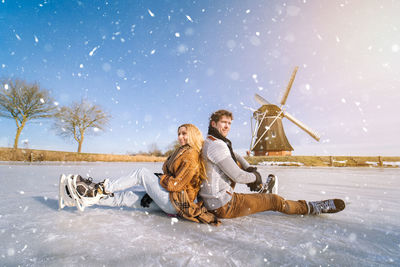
[302,126]
[285,95]
[261,100]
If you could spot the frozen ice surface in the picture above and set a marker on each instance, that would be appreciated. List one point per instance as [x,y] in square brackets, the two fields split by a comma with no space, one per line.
[34,232]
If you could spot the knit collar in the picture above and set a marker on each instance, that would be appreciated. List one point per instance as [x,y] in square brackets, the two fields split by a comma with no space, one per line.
[214,132]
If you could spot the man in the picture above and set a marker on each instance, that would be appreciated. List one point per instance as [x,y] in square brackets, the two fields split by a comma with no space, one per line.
[223,171]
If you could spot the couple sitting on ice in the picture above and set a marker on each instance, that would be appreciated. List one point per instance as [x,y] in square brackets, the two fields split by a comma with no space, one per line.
[197,183]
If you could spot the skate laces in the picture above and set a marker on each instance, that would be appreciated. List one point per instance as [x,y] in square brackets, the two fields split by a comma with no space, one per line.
[101,188]
[267,186]
[87,181]
[320,206]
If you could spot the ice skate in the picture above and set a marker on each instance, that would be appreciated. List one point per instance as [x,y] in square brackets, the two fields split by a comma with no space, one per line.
[326,206]
[270,186]
[84,192]
[64,195]
[87,188]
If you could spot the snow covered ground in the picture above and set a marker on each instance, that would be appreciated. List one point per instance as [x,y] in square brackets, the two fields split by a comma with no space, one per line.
[34,232]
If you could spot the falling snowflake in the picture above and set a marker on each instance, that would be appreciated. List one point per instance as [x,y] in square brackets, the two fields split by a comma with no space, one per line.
[93,50]
[255,78]
[10,252]
[36,39]
[189,18]
[177,34]
[174,220]
[19,38]
[151,13]
[22,250]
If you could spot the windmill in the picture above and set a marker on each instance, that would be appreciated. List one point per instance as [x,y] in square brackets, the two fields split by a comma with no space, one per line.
[268,136]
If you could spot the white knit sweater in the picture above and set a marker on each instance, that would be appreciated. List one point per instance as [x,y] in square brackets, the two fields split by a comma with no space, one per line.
[216,191]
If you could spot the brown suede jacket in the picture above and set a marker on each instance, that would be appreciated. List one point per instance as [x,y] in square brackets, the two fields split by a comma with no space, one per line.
[182,179]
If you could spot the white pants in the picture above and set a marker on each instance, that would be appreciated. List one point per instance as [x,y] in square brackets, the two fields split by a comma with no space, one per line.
[142,177]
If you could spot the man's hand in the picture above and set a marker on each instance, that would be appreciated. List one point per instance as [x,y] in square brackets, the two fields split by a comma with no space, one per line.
[257,185]
[145,201]
[251,169]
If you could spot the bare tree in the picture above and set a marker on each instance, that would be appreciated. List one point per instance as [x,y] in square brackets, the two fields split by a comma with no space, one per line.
[154,150]
[171,148]
[23,102]
[75,121]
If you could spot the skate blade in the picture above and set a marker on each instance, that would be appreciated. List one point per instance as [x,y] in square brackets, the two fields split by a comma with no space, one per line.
[74,193]
[63,198]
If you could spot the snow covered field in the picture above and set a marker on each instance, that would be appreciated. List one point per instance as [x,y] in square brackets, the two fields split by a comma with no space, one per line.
[34,232]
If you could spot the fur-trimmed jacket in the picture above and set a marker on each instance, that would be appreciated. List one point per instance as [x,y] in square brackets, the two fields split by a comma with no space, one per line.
[182,179]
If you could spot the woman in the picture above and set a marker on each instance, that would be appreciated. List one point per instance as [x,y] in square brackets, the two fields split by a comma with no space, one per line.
[175,192]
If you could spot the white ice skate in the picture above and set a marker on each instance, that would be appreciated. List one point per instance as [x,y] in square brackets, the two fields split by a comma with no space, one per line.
[64,195]
[81,202]
[275,188]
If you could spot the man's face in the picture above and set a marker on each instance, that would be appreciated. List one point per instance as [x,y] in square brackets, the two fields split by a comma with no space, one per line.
[223,125]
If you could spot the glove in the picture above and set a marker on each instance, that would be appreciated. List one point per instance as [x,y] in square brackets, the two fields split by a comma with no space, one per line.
[145,201]
[251,169]
[256,186]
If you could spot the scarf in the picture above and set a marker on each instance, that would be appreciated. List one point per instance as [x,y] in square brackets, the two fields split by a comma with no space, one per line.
[214,132]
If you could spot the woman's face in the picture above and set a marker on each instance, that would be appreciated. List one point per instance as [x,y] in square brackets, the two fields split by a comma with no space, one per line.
[182,136]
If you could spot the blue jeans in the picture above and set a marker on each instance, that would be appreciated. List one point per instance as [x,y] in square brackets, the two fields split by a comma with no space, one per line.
[142,177]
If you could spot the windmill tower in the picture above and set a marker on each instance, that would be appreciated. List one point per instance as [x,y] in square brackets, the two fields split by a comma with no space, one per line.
[268,135]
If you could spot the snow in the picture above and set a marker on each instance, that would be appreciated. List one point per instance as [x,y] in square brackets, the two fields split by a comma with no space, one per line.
[35,233]
[189,18]
[93,50]
[150,13]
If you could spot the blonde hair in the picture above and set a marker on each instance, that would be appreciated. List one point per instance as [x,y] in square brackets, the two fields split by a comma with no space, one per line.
[195,141]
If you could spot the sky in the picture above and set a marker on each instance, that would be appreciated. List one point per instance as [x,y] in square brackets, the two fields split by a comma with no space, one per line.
[153,65]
